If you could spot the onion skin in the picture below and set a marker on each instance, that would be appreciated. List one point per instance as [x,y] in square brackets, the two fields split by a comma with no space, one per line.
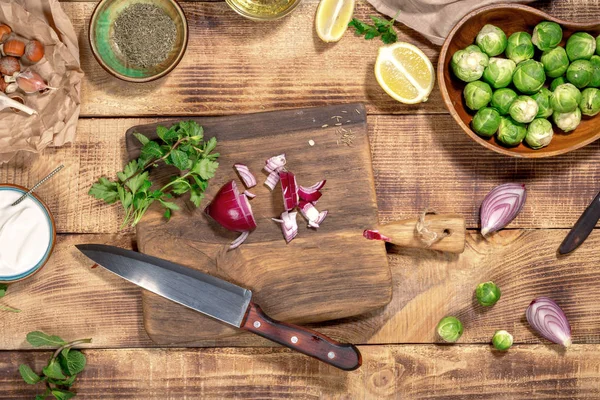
[501,206]
[231,209]
[549,320]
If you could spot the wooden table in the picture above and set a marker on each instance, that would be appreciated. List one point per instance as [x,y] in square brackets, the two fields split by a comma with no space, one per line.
[421,160]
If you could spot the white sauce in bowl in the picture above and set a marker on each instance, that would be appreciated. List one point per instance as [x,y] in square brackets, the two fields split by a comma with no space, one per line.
[25,234]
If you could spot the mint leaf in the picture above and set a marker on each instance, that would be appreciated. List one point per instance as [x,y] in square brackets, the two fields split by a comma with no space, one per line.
[180,159]
[62,394]
[73,363]
[143,139]
[37,339]
[28,375]
[381,28]
[104,190]
[206,168]
[389,37]
[192,129]
[53,370]
[3,289]
[151,150]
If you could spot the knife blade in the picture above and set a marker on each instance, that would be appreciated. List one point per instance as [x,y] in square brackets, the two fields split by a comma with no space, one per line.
[218,299]
[582,228]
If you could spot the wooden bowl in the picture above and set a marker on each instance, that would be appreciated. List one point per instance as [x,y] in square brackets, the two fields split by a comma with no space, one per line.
[109,56]
[510,18]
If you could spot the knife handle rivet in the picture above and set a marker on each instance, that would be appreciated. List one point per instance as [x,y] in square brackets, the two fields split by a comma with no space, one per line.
[331,355]
[256,324]
[294,339]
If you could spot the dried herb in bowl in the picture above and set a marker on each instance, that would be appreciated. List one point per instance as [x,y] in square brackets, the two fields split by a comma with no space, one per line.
[145,35]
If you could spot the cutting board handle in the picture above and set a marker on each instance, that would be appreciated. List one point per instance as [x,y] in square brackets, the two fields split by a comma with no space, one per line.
[341,355]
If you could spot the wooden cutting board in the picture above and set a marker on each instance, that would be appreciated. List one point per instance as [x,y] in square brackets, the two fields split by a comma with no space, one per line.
[323,274]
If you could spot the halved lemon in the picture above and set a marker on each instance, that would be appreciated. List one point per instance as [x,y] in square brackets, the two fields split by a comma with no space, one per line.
[405,73]
[332,19]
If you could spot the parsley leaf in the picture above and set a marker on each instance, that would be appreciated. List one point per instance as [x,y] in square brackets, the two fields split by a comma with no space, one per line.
[380,28]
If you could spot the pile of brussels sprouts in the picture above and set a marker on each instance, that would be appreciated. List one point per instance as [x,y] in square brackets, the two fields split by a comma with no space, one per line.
[509,93]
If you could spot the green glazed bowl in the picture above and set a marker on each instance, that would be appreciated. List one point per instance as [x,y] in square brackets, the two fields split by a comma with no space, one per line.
[110,57]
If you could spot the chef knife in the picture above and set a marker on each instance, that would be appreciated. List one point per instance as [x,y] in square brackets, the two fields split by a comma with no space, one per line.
[582,228]
[218,299]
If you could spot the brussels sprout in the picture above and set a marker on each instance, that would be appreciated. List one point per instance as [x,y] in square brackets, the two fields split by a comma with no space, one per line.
[468,64]
[491,40]
[542,98]
[502,99]
[555,62]
[519,47]
[580,73]
[450,329]
[487,293]
[598,45]
[523,109]
[595,60]
[502,340]
[547,35]
[567,121]
[557,82]
[565,98]
[486,122]
[510,132]
[477,95]
[539,133]
[499,72]
[581,46]
[590,102]
[529,76]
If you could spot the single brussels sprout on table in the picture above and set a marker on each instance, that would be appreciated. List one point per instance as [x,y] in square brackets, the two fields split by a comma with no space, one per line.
[487,293]
[519,47]
[477,95]
[499,72]
[595,61]
[486,122]
[557,82]
[529,76]
[565,98]
[468,64]
[511,133]
[547,35]
[502,340]
[581,46]
[542,98]
[450,329]
[539,133]
[555,62]
[491,40]
[567,121]
[590,102]
[502,99]
[524,109]
[580,73]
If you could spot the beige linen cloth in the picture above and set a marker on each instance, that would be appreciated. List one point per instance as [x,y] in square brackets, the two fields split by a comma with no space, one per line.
[434,19]
[58,110]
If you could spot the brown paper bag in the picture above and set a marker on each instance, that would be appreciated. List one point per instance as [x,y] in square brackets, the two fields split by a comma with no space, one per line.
[58,110]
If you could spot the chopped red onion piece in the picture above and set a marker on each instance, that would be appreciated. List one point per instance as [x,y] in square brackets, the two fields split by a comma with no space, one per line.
[315,187]
[231,209]
[312,197]
[375,235]
[309,212]
[289,226]
[249,194]
[546,317]
[322,216]
[272,180]
[289,189]
[246,175]
[501,206]
[241,239]
[275,163]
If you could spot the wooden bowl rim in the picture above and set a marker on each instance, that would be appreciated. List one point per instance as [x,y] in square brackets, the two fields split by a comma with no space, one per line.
[52,223]
[448,102]
[126,78]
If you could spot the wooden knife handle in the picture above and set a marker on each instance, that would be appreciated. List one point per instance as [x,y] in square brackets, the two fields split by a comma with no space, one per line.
[341,355]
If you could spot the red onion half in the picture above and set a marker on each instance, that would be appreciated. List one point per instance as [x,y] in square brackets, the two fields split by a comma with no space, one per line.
[501,206]
[247,177]
[375,235]
[546,317]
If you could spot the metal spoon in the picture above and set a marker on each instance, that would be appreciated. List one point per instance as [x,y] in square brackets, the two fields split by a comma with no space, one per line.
[40,183]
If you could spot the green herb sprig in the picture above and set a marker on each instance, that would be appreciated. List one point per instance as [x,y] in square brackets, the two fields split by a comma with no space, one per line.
[62,369]
[181,146]
[3,289]
[381,28]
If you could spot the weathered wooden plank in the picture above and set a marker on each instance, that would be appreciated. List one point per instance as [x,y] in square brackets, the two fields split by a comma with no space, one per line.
[258,67]
[419,162]
[69,298]
[388,372]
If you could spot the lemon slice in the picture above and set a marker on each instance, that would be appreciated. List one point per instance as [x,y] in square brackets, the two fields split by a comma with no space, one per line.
[332,19]
[405,73]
